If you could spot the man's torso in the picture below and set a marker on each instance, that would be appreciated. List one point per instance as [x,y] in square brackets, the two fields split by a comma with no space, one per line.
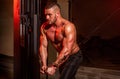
[56,36]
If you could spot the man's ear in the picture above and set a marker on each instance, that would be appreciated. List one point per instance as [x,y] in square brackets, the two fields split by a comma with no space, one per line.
[57,13]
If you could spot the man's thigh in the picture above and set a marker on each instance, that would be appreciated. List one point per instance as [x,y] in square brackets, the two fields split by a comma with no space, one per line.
[69,69]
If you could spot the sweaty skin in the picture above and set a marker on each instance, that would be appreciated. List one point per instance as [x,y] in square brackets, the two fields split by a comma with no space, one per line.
[61,33]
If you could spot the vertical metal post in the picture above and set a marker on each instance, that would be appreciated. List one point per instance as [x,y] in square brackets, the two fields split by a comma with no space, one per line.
[70,9]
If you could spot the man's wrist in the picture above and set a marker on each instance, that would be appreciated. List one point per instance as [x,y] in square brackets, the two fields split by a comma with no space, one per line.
[55,65]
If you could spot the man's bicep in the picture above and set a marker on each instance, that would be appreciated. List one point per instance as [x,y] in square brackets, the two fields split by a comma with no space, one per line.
[70,36]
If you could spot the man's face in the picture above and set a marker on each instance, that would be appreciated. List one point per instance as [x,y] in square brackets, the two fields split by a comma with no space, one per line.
[50,16]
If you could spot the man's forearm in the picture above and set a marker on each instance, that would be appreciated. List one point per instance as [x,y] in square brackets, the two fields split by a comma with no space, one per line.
[43,60]
[60,60]
[43,57]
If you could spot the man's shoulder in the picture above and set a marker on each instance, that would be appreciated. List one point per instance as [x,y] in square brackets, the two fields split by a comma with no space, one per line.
[69,24]
[44,25]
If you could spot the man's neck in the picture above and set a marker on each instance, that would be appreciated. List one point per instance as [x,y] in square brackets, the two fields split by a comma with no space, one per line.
[59,22]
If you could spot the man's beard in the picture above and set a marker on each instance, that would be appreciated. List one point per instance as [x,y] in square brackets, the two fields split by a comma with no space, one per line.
[53,21]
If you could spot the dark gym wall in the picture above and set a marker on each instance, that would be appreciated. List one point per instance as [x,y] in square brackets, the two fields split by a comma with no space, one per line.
[89,14]
[98,22]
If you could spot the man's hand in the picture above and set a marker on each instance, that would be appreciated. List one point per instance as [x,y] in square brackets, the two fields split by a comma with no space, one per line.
[51,70]
[43,69]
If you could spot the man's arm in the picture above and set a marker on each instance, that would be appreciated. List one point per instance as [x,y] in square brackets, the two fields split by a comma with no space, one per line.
[68,43]
[43,50]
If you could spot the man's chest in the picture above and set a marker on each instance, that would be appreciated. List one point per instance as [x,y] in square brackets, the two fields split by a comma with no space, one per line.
[55,34]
